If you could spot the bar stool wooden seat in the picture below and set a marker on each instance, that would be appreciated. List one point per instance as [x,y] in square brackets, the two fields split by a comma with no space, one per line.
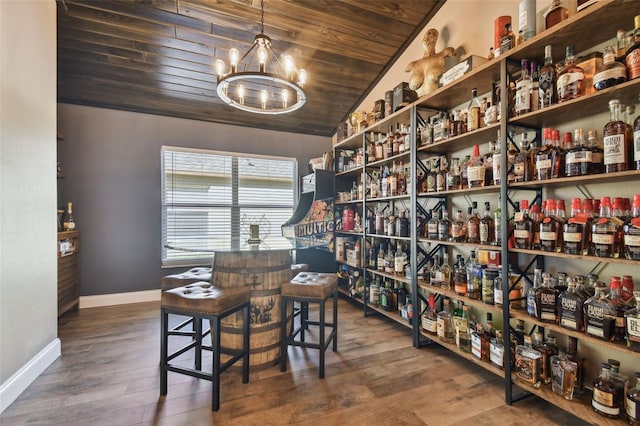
[305,288]
[201,300]
[182,279]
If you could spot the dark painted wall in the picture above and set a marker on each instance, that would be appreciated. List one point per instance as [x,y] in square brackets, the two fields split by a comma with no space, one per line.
[111,161]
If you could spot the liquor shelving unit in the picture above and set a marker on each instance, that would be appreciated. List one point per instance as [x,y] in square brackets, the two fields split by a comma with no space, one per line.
[606,16]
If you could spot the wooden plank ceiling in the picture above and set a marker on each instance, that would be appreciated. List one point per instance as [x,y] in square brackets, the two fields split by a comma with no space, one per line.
[156,56]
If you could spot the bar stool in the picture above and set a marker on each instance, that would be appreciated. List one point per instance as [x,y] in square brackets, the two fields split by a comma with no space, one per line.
[296,268]
[305,288]
[191,276]
[200,301]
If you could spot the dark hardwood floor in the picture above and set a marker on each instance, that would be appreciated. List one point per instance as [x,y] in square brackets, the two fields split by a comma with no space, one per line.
[108,375]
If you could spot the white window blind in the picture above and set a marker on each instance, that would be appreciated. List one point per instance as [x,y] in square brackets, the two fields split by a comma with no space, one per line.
[209,199]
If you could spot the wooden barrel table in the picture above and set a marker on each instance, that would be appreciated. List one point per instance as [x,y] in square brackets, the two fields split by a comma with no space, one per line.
[263,271]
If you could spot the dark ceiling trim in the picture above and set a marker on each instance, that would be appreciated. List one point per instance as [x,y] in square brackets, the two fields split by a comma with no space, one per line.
[395,57]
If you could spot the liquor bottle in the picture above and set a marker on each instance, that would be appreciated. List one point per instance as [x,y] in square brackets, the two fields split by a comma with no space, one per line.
[578,157]
[69,223]
[444,323]
[576,235]
[452,179]
[616,143]
[497,224]
[521,167]
[550,229]
[547,80]
[404,225]
[488,164]
[527,18]
[432,226]
[555,14]
[605,399]
[458,228]
[398,261]
[488,283]
[570,83]
[535,87]
[631,232]
[464,183]
[633,52]
[597,153]
[611,72]
[615,296]
[432,175]
[546,352]
[445,274]
[563,375]
[572,354]
[473,224]
[461,330]
[429,317]
[389,260]
[527,365]
[474,278]
[460,277]
[635,161]
[486,226]
[605,232]
[599,314]
[632,402]
[570,304]
[444,227]
[475,169]
[523,227]
[381,256]
[507,39]
[531,293]
[498,292]
[402,180]
[547,157]
[547,301]
[441,176]
[523,90]
[632,318]
[473,111]
[496,350]
[480,343]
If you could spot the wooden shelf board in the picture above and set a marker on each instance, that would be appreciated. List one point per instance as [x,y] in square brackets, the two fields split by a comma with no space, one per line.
[389,237]
[460,142]
[478,304]
[392,315]
[618,260]
[390,276]
[388,161]
[577,180]
[351,172]
[461,244]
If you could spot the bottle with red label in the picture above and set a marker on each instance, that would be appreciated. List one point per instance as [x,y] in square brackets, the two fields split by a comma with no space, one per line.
[605,232]
[523,227]
[631,231]
[550,228]
[575,232]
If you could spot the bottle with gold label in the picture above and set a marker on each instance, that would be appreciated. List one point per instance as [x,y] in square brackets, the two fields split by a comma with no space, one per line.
[570,83]
[69,223]
[633,52]
[611,72]
[605,399]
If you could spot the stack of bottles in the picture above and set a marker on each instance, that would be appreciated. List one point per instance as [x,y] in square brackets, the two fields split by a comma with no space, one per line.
[472,229]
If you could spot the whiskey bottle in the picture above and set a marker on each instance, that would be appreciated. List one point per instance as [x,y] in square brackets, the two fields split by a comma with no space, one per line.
[597,153]
[531,293]
[480,343]
[548,157]
[611,73]
[620,307]
[521,167]
[507,39]
[563,375]
[523,227]
[572,354]
[547,301]
[474,278]
[535,87]
[497,224]
[599,314]
[605,400]
[632,402]
[441,176]
[570,304]
[633,52]
[473,112]
[444,226]
[550,229]
[546,352]
[605,232]
[460,277]
[432,226]
[488,277]
[473,224]
[576,235]
[444,323]
[616,143]
[635,161]
[475,169]
[570,83]
[398,261]
[432,175]
[547,80]
[461,329]
[632,318]
[486,226]
[523,89]
[555,14]
[527,363]
[578,158]
[631,231]
[430,318]
[458,228]
[445,272]
[488,164]
[381,256]
[453,176]
[496,350]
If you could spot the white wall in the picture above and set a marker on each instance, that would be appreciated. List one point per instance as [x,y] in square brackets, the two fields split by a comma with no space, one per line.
[28,265]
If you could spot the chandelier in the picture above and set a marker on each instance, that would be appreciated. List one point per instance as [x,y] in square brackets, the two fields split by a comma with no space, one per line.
[258,81]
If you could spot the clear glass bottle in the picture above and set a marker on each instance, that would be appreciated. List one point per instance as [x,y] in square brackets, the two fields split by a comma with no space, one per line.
[611,72]
[547,300]
[578,158]
[473,111]
[605,232]
[563,375]
[523,89]
[445,272]
[69,223]
[527,363]
[488,283]
[550,229]
[496,350]
[616,143]
[521,167]
[429,317]
[486,226]
[546,157]
[605,400]
[599,314]
[444,323]
[632,319]
[453,176]
[474,278]
[570,307]
[531,293]
[444,226]
[441,176]
[475,169]
[461,329]
[632,401]
[547,80]
[597,153]
[458,228]
[555,14]
[570,83]
[473,224]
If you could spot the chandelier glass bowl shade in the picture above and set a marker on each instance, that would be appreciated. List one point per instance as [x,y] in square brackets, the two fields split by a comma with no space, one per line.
[259,82]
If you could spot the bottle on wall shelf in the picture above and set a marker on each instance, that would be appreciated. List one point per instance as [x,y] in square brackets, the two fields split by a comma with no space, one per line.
[523,90]
[570,82]
[507,39]
[611,72]
[555,14]
[632,58]
[69,223]
[547,80]
[605,400]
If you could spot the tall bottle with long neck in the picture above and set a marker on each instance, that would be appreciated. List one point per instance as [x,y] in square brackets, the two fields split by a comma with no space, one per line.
[570,83]
[616,141]
[523,90]
[547,80]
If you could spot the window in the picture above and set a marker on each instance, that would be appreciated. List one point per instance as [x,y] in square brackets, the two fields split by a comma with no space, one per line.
[209,199]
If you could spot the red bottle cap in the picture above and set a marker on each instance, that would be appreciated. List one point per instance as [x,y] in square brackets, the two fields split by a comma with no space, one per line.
[618,203]
[627,283]
[614,283]
[575,203]
[596,204]
[524,205]
[551,205]
[535,209]
[560,204]
[544,205]
[605,202]
[568,138]
[636,200]
[556,135]
[476,151]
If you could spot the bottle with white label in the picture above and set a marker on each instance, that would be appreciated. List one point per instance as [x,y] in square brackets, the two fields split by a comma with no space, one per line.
[616,144]
[69,223]
[527,18]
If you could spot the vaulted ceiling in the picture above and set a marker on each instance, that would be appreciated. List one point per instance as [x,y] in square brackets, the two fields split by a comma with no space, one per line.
[156,56]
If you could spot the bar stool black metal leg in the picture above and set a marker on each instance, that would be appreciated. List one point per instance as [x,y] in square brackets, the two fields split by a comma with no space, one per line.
[164,340]
[197,326]
[304,318]
[215,345]
[335,321]
[322,342]
[246,346]
[283,334]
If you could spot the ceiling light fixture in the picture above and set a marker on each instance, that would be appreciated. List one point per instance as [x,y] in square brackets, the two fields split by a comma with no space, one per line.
[258,81]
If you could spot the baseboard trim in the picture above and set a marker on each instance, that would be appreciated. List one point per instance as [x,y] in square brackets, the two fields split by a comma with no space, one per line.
[16,384]
[119,298]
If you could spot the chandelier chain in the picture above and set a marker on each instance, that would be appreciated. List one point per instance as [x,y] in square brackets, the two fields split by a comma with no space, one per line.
[262,16]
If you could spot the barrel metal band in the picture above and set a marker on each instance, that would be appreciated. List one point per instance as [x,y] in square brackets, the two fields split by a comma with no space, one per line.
[256,270]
